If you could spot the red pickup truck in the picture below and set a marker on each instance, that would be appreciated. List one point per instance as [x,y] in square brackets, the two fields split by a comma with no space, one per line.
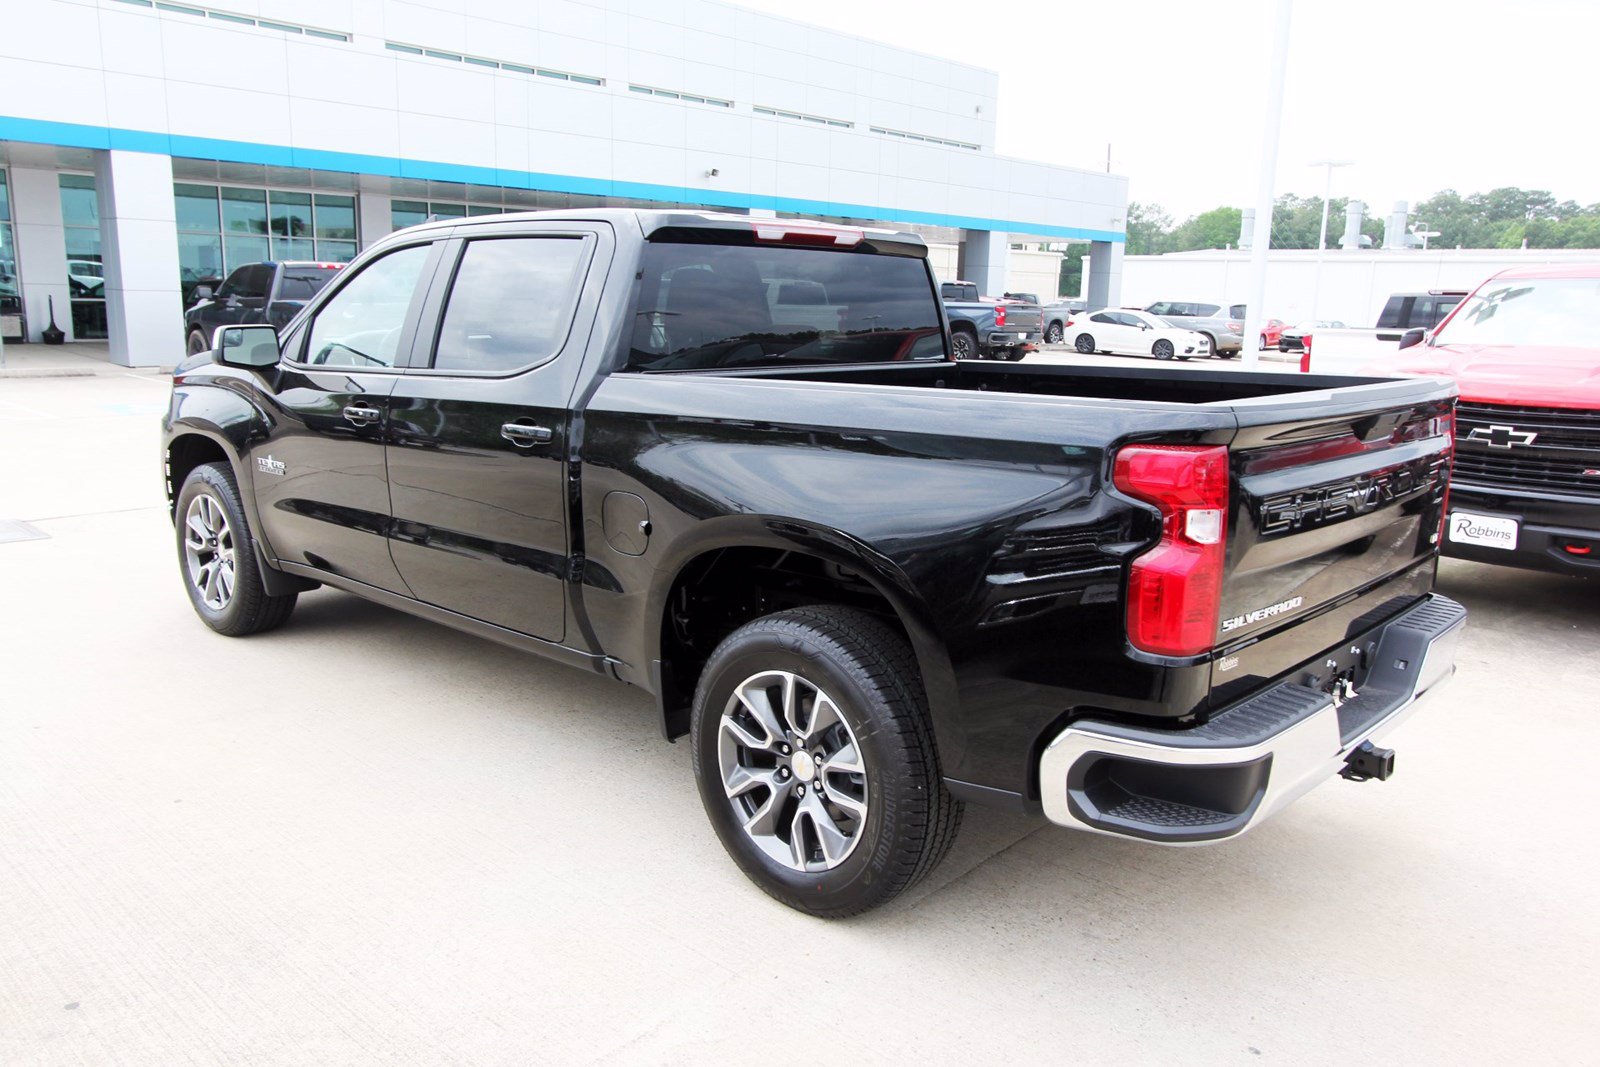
[1524,353]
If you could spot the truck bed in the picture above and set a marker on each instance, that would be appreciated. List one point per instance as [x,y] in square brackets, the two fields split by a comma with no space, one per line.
[1164,385]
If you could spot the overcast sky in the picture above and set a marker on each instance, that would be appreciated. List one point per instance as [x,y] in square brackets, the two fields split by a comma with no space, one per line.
[1422,96]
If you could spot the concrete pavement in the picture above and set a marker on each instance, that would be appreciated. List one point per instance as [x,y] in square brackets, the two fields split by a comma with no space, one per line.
[366,838]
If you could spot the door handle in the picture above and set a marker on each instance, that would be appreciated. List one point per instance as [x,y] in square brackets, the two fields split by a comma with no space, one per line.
[525,436]
[361,414]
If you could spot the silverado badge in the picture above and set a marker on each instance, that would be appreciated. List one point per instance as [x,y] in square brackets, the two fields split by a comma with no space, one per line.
[1262,613]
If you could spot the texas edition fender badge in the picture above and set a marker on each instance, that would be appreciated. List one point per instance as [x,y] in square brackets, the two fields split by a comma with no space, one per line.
[267,465]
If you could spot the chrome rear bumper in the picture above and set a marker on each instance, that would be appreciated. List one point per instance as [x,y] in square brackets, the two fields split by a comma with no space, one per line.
[1214,782]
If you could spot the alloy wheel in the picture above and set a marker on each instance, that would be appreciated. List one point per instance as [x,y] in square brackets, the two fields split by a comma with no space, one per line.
[793,772]
[208,551]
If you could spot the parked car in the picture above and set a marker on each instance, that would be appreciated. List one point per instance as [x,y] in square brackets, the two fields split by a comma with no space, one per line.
[1271,334]
[1131,332]
[1224,327]
[984,328]
[1523,352]
[1053,319]
[868,589]
[1292,338]
[271,292]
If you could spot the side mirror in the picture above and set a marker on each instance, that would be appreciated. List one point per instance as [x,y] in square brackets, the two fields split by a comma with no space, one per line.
[1412,337]
[246,346]
[202,292]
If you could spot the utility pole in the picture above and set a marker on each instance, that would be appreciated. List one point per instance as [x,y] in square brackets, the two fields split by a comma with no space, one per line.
[1108,157]
[1322,236]
[1277,72]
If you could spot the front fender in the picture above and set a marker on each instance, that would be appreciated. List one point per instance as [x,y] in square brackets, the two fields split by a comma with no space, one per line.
[225,417]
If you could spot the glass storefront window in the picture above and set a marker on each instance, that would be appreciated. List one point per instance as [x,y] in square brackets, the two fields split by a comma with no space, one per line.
[244,211]
[222,228]
[336,218]
[238,250]
[291,217]
[10,289]
[86,278]
[403,213]
[199,259]
[197,208]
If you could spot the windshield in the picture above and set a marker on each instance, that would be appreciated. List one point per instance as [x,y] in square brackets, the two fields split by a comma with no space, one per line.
[1527,311]
[706,306]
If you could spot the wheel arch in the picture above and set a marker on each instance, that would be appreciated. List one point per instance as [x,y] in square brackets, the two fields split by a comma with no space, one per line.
[786,563]
[211,425]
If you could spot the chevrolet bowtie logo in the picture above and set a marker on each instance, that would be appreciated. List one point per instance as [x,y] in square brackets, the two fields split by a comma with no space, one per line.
[1502,436]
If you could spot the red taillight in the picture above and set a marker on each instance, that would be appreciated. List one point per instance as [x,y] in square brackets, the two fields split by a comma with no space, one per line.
[1235,327]
[1175,588]
[1068,325]
[999,314]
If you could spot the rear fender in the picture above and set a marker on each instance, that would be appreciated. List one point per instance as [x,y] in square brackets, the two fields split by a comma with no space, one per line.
[834,546]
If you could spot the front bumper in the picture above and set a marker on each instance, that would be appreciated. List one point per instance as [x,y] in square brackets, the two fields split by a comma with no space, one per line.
[1216,781]
[1548,523]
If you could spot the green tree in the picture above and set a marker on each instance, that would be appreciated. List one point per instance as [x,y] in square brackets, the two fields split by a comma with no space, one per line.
[1217,228]
[1148,228]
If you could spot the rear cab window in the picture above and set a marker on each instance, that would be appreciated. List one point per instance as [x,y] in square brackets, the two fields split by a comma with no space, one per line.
[303,282]
[712,306]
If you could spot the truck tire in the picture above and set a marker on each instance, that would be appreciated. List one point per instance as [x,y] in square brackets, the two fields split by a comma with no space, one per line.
[1084,344]
[825,696]
[1053,334]
[217,557]
[198,343]
[964,344]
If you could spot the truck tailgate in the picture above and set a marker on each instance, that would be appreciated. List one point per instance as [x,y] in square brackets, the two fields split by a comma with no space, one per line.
[1335,520]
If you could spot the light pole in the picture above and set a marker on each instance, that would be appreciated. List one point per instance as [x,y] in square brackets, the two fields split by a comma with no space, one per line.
[1277,71]
[1322,235]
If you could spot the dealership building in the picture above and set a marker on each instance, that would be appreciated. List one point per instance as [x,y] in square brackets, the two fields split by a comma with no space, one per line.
[147,146]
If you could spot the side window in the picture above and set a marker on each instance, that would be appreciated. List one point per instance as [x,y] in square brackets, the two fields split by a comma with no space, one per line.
[1104,317]
[1236,311]
[360,326]
[511,303]
[1420,314]
[235,284]
[1161,307]
[1442,307]
[1393,313]
[255,282]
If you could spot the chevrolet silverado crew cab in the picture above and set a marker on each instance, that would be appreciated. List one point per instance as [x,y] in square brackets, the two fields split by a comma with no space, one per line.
[1521,351]
[869,582]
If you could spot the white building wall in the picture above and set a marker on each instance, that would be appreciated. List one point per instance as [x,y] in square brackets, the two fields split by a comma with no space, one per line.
[1034,271]
[1354,287]
[126,76]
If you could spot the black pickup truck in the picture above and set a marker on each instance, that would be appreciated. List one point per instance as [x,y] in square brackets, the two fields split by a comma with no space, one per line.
[271,292]
[869,582]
